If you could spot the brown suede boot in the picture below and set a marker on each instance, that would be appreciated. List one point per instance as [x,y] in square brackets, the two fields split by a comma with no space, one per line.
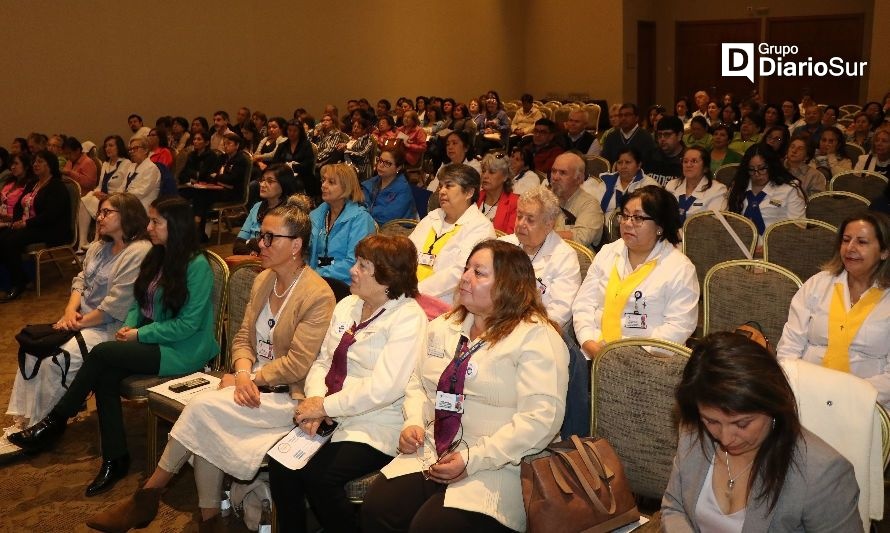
[136,511]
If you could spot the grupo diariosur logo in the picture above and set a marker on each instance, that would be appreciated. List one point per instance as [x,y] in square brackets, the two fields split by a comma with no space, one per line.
[738,59]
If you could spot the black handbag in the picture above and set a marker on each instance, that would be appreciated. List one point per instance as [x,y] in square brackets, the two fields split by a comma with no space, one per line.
[44,342]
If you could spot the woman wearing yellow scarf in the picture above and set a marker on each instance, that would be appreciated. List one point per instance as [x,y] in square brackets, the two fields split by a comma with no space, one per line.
[640,285]
[840,317]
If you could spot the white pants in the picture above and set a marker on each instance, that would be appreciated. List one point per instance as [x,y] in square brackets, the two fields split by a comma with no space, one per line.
[89,204]
[34,398]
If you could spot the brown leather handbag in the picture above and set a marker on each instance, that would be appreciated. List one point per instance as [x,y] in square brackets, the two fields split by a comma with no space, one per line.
[577,485]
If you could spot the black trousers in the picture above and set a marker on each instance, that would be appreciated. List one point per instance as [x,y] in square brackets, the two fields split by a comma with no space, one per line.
[102,371]
[322,483]
[12,245]
[412,503]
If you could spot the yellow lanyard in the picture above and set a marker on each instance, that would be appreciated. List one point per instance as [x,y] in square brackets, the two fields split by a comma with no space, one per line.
[843,325]
[617,292]
[433,245]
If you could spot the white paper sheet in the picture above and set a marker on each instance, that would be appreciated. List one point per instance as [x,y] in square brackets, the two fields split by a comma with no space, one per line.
[296,448]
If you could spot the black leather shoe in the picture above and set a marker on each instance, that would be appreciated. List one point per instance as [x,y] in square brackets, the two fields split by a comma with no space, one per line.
[110,472]
[42,435]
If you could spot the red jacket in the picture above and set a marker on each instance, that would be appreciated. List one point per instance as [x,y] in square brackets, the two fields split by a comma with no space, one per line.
[505,216]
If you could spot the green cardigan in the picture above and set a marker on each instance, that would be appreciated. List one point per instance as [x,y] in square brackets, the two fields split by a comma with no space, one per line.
[187,340]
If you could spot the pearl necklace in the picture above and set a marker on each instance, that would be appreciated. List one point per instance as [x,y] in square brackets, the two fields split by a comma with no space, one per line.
[294,282]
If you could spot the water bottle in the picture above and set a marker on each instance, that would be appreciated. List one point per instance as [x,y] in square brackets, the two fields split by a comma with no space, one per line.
[266,518]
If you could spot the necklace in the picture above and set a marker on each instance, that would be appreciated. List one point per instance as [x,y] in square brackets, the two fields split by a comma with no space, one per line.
[292,283]
[730,482]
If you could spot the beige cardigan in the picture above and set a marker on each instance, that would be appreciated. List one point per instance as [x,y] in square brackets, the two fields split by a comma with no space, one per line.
[301,328]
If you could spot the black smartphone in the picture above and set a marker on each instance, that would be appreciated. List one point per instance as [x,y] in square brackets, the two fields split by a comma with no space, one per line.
[189,385]
[326,429]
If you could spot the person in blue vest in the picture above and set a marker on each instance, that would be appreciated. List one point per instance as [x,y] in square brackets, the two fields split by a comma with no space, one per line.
[388,194]
[610,188]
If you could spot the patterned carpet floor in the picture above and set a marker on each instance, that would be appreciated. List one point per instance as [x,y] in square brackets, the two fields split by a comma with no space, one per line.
[45,493]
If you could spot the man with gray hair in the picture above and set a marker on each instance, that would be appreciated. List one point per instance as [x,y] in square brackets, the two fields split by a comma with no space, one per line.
[581,218]
[701,104]
[556,264]
[576,136]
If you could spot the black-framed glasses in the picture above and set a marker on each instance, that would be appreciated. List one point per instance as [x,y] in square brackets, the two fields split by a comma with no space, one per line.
[384,163]
[758,170]
[105,212]
[268,236]
[499,155]
[634,220]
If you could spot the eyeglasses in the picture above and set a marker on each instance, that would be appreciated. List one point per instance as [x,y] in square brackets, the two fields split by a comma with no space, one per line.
[499,155]
[428,456]
[634,220]
[135,148]
[268,236]
[269,181]
[384,163]
[105,212]
[758,170]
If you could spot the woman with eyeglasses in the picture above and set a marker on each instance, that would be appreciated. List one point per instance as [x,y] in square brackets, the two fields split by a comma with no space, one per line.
[339,223]
[157,148]
[168,330]
[496,198]
[610,188]
[764,191]
[284,323]
[388,194]
[797,162]
[101,296]
[358,381]
[43,214]
[488,390]
[276,186]
[640,285]
[697,191]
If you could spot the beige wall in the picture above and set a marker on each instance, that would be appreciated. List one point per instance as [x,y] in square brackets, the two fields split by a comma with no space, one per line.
[574,46]
[87,71]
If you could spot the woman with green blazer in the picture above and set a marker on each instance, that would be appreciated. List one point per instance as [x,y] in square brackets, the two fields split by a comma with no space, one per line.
[169,330]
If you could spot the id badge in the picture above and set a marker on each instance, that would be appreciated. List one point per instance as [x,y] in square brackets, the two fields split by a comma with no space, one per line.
[449,402]
[264,350]
[426,259]
[634,321]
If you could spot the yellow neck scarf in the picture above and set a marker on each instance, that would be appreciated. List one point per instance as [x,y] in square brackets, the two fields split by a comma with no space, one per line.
[433,245]
[843,325]
[617,292]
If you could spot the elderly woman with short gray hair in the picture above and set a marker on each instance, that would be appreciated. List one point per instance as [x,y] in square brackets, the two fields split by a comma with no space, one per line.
[496,199]
[557,270]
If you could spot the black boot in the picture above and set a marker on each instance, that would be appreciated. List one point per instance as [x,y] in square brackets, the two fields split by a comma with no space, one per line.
[111,471]
[42,435]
